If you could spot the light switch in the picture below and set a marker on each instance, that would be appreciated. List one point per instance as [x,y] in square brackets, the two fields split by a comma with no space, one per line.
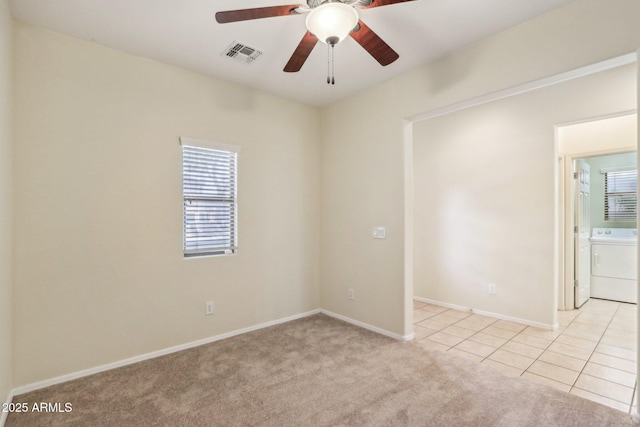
[379,233]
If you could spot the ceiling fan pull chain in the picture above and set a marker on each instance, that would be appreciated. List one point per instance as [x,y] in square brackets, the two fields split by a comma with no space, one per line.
[333,71]
[328,63]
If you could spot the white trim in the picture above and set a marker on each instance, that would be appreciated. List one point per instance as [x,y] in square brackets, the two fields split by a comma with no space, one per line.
[4,415]
[627,168]
[528,87]
[547,326]
[635,415]
[368,326]
[597,118]
[209,144]
[86,372]
[442,304]
[409,211]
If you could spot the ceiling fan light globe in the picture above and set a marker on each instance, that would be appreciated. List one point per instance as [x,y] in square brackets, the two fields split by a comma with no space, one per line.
[332,20]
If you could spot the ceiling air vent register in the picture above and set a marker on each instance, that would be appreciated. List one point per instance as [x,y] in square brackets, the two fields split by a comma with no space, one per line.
[240,52]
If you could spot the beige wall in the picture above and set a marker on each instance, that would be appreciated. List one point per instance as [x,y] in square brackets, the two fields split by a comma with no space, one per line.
[362,187]
[362,143]
[599,136]
[484,195]
[5,200]
[99,272]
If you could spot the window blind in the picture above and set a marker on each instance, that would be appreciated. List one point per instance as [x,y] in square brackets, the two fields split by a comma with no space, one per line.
[209,179]
[621,195]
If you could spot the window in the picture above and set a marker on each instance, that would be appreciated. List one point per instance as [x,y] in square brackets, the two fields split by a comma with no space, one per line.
[620,195]
[209,183]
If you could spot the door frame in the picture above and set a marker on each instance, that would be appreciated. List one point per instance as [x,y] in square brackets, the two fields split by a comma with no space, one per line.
[566,265]
[581,238]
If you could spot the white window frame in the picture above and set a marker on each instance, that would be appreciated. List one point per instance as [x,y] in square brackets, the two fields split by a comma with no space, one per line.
[609,173]
[190,246]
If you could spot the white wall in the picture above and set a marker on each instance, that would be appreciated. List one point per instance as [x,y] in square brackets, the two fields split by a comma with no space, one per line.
[6,192]
[99,270]
[484,195]
[362,143]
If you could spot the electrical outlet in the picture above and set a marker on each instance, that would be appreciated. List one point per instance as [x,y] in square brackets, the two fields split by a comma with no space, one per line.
[208,308]
[379,233]
[351,294]
[492,288]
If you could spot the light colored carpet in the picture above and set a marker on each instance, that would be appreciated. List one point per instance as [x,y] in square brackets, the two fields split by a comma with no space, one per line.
[315,371]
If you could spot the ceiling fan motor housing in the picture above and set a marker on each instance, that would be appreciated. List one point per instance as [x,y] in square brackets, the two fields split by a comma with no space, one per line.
[333,40]
[331,22]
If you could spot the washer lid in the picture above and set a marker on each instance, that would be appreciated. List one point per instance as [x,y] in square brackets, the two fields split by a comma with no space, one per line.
[615,235]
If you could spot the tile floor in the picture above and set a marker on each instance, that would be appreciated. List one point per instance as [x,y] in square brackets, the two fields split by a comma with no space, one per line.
[592,354]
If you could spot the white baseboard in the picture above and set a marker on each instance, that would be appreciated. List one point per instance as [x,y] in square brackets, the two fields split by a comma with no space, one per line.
[442,304]
[86,372]
[540,325]
[369,327]
[548,326]
[80,374]
[4,415]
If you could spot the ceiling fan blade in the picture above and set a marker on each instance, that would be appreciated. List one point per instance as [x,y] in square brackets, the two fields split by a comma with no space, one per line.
[256,13]
[373,44]
[378,3]
[301,53]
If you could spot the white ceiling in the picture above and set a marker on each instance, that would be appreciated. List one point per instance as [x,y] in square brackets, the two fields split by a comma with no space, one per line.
[184,33]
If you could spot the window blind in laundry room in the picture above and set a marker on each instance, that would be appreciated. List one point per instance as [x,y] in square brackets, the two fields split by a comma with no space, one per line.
[621,195]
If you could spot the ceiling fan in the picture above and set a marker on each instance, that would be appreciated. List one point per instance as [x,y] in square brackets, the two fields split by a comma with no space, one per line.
[329,21]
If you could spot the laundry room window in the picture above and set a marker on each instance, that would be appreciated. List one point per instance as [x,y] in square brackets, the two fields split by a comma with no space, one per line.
[621,195]
[210,208]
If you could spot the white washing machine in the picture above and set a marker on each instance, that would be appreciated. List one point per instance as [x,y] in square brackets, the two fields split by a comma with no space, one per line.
[614,265]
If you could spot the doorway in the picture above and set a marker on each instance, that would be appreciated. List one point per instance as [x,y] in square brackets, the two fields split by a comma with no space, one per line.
[587,152]
[448,216]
